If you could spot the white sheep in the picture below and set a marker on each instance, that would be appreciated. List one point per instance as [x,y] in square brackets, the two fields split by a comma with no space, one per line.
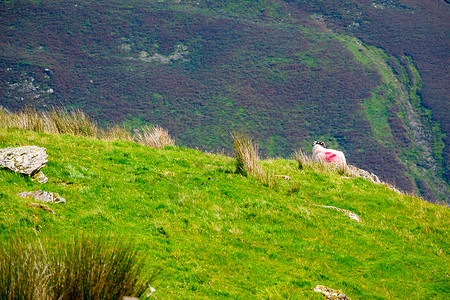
[322,154]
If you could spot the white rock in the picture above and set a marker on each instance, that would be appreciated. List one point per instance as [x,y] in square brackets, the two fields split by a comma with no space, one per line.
[43,196]
[26,159]
[40,177]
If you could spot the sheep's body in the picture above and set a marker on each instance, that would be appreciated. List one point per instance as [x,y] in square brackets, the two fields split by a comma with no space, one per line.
[322,154]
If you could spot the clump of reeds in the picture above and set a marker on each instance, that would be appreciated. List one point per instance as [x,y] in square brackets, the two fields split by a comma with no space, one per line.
[80,269]
[153,136]
[57,120]
[74,122]
[21,271]
[116,132]
[247,158]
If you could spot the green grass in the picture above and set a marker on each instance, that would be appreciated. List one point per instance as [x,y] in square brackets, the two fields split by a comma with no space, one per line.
[214,233]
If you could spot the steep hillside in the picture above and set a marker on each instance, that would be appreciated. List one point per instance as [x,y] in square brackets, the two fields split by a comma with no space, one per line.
[204,69]
[417,29]
[215,233]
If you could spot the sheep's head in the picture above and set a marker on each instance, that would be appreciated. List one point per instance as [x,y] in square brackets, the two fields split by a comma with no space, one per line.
[319,143]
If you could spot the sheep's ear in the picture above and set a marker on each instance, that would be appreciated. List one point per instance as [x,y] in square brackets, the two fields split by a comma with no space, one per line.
[315,142]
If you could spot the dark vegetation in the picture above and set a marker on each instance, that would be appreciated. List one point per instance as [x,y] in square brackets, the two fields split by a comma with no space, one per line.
[263,67]
[412,28]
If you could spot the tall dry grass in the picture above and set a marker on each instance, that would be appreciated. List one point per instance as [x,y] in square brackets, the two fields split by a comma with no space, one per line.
[76,122]
[81,269]
[55,121]
[247,158]
[153,136]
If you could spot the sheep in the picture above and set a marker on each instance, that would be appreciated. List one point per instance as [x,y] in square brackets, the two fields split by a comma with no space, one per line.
[322,154]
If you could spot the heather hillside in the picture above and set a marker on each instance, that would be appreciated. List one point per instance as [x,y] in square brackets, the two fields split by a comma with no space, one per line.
[287,72]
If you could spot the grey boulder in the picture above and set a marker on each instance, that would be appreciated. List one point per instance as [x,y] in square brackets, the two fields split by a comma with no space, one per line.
[27,160]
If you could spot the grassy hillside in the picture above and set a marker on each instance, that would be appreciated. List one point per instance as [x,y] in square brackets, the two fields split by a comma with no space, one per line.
[275,69]
[214,233]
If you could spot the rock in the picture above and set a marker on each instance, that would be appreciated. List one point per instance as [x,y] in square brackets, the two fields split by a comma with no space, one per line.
[41,206]
[357,172]
[330,294]
[27,160]
[350,214]
[285,177]
[43,196]
[40,177]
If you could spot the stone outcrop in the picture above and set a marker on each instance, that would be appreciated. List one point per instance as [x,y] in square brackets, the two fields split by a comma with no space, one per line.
[357,172]
[27,160]
[43,196]
[349,214]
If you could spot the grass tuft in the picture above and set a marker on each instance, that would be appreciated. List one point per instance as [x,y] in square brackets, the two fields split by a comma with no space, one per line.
[116,132]
[76,122]
[153,137]
[80,269]
[247,158]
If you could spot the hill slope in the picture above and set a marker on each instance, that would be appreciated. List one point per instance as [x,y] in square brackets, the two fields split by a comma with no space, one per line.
[202,70]
[215,233]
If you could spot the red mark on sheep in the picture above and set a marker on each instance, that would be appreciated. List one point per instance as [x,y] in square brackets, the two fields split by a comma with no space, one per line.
[331,157]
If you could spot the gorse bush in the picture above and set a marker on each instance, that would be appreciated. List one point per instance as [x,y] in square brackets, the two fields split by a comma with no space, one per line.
[80,269]
[76,122]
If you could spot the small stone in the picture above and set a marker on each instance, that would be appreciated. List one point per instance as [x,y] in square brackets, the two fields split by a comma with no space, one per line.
[330,293]
[285,177]
[43,196]
[40,177]
[42,206]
